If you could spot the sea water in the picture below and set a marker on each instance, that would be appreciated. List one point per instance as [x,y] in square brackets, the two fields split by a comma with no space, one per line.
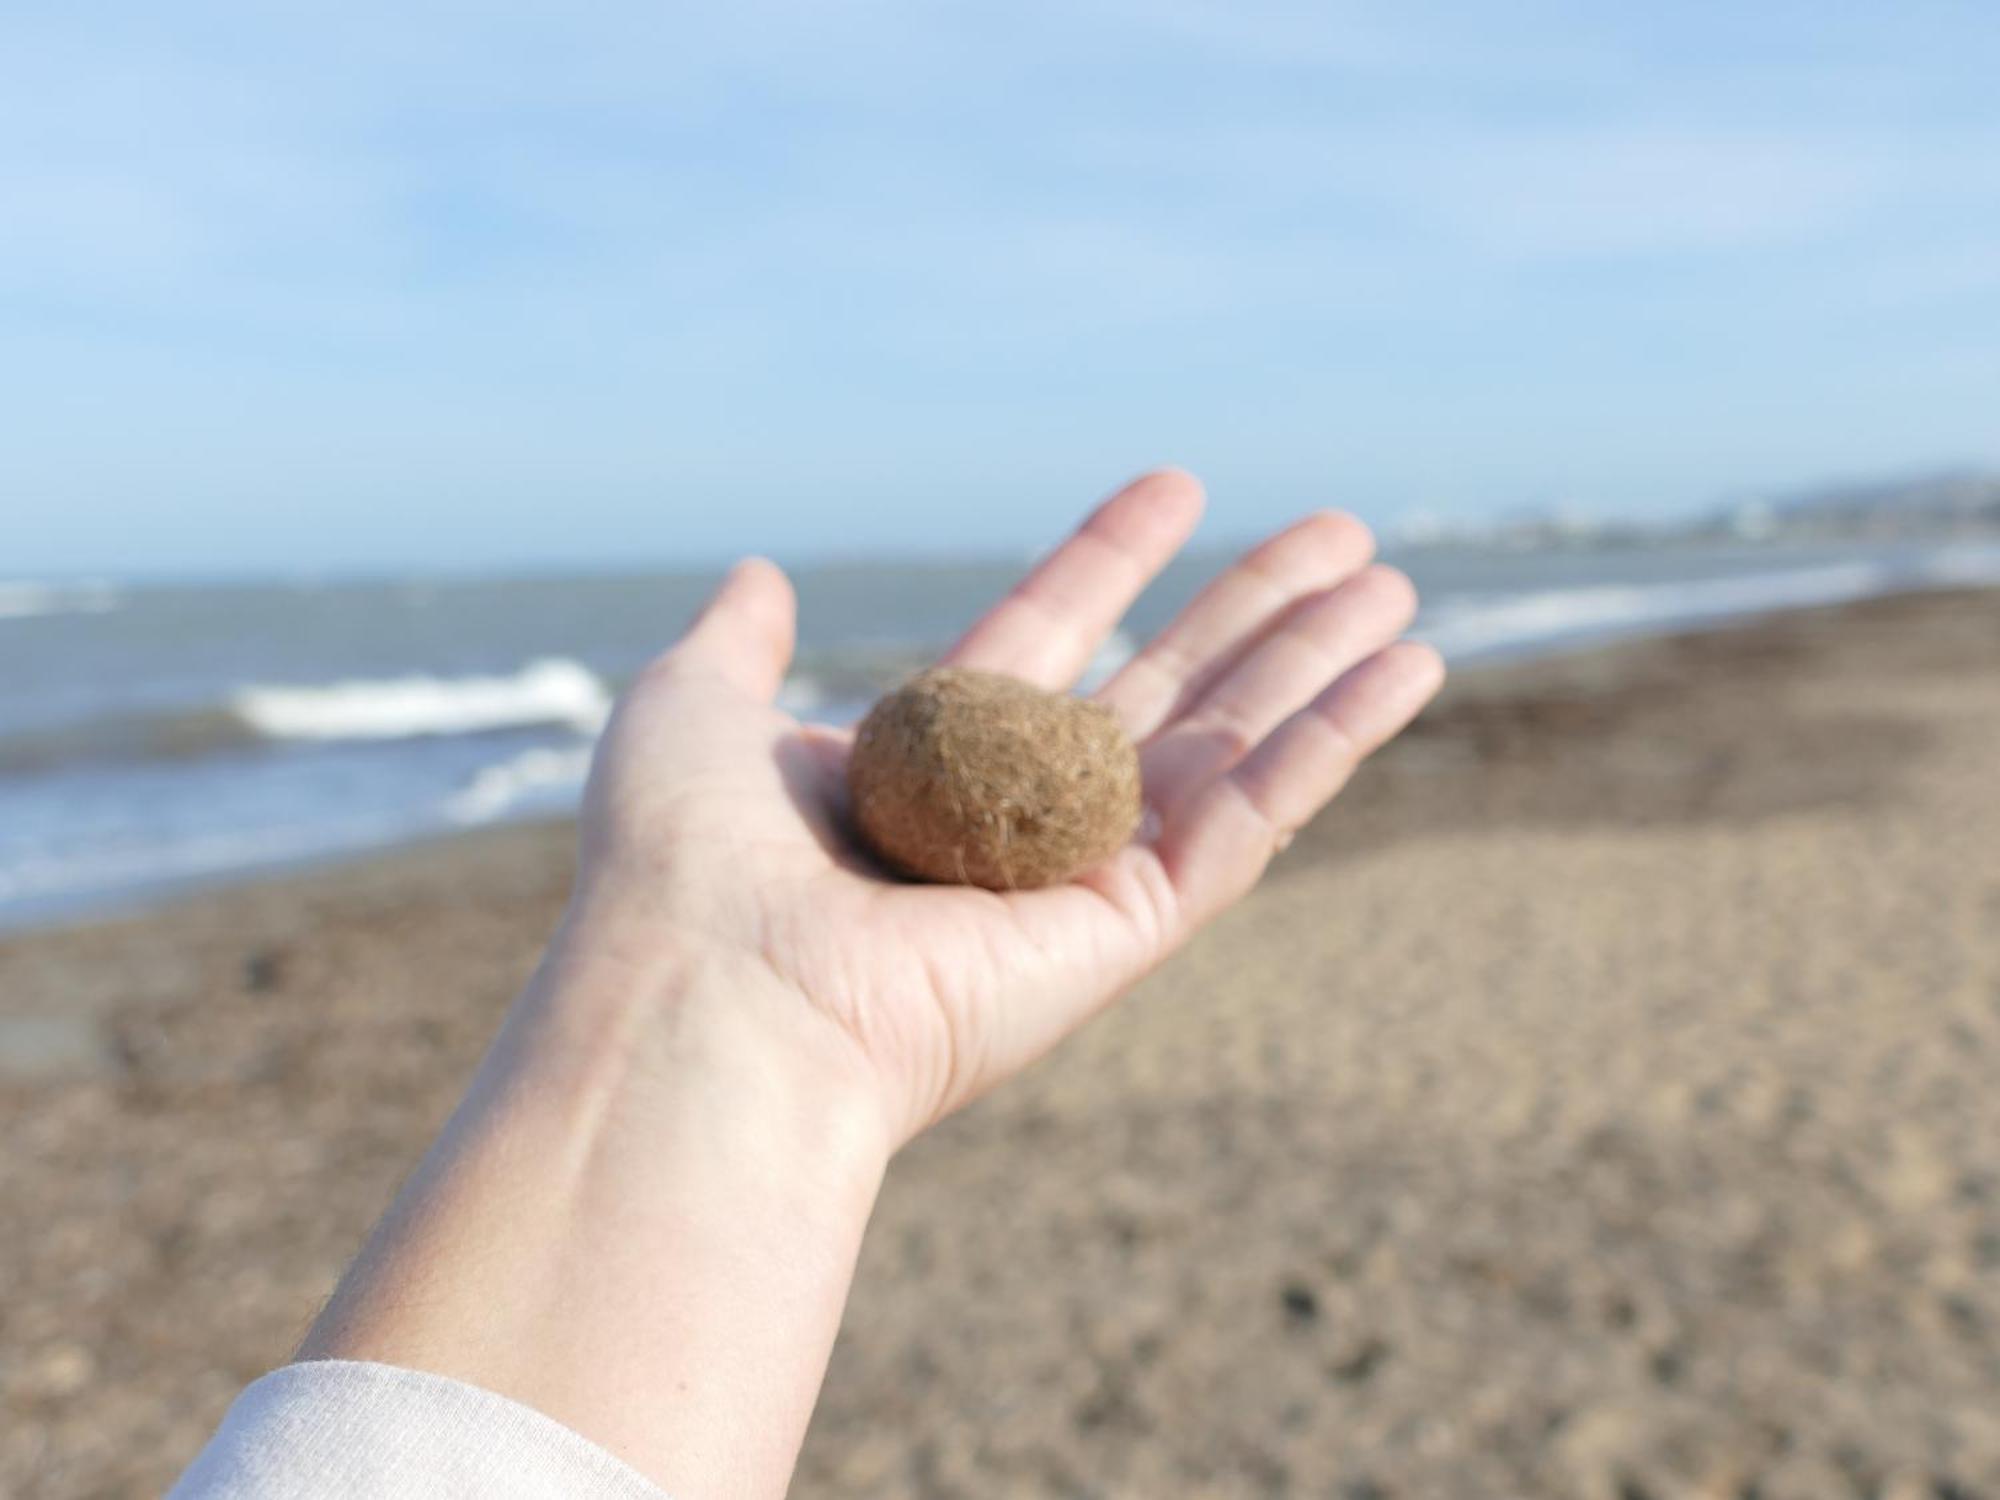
[153,735]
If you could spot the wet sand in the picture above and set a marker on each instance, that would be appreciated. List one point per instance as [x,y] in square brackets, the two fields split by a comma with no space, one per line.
[1603,1100]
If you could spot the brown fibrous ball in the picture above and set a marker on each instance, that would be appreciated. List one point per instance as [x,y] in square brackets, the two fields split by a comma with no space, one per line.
[974,778]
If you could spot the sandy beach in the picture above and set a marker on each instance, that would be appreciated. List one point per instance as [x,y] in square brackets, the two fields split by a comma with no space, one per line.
[1599,1102]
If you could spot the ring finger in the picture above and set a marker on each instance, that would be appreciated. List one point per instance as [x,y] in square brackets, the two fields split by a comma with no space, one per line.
[1316,641]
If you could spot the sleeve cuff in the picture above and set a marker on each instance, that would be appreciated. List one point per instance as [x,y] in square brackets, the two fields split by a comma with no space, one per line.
[347,1428]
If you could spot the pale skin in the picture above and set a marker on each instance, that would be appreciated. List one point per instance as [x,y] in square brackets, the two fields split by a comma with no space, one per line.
[644,1217]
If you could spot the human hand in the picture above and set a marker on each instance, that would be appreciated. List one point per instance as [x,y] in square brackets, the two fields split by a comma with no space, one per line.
[717,822]
[643,1219]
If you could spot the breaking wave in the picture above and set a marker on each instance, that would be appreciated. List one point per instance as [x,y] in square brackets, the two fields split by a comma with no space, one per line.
[549,694]
[553,691]
[550,776]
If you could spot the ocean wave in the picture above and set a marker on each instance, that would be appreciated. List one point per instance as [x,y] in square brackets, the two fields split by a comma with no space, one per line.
[124,738]
[25,600]
[552,691]
[546,775]
[1483,625]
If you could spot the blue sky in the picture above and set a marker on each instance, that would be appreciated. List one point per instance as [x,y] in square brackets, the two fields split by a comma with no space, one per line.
[319,287]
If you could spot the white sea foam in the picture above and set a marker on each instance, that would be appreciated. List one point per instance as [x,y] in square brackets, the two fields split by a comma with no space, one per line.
[545,775]
[22,600]
[1481,624]
[550,691]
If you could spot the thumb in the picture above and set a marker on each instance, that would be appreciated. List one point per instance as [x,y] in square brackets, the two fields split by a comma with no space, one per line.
[745,631]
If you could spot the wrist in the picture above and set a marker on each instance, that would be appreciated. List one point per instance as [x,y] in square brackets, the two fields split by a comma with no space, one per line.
[625,1027]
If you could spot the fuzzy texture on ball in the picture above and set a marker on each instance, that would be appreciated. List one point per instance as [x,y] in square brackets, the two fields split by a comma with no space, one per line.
[973,778]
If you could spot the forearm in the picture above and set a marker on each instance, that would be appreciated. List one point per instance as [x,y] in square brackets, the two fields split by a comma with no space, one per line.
[643,1220]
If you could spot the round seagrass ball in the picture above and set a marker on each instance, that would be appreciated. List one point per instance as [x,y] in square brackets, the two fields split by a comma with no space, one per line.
[978,779]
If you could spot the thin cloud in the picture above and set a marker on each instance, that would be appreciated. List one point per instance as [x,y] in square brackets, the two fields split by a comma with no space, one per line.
[488,244]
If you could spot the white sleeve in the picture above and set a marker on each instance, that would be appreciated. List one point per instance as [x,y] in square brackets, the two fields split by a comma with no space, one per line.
[344,1428]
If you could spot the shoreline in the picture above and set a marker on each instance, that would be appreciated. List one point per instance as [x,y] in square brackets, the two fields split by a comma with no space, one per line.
[1599,1095]
[1716,607]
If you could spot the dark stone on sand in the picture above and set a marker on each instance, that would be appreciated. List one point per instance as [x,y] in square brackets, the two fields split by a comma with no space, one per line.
[1301,1306]
[263,970]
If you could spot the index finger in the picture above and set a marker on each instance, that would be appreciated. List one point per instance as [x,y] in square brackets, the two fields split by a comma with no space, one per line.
[1047,629]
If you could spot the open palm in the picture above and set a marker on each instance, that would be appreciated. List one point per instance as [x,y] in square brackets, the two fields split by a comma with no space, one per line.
[715,814]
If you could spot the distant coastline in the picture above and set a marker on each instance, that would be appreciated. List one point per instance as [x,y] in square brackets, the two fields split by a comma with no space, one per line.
[1948,506]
